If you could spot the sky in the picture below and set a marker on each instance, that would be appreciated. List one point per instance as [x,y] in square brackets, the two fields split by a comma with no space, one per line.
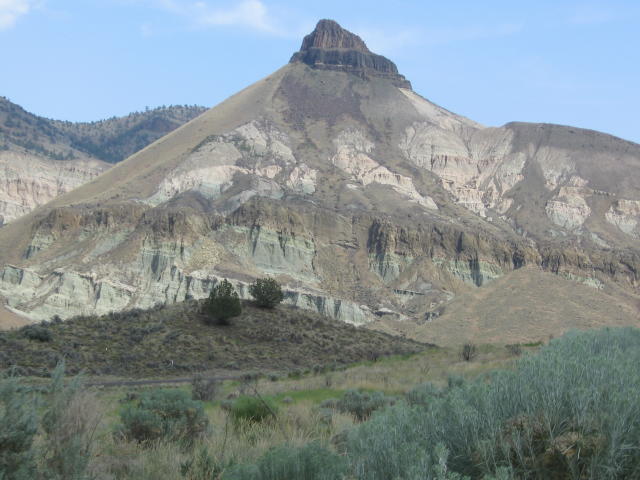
[568,62]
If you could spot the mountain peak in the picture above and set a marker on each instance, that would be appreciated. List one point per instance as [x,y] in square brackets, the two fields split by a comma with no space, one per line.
[328,34]
[331,47]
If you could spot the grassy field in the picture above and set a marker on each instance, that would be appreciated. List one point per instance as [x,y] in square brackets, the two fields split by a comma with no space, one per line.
[565,411]
[298,397]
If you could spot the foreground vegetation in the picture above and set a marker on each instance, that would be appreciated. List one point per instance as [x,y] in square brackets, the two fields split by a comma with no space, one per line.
[179,339]
[569,411]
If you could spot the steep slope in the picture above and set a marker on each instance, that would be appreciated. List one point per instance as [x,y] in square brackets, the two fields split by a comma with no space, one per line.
[366,200]
[41,158]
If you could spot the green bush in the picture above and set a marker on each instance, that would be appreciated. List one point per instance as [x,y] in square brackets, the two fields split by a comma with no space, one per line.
[267,292]
[361,404]
[69,421]
[39,333]
[164,413]
[18,427]
[252,409]
[223,303]
[468,352]
[203,389]
[422,394]
[569,412]
[65,429]
[310,462]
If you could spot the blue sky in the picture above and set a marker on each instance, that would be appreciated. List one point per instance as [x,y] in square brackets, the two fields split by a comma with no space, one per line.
[568,62]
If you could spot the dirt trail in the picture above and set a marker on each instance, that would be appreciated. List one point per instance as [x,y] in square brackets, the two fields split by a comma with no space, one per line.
[160,381]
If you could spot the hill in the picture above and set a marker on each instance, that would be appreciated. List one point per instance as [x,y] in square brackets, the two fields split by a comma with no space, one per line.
[174,340]
[525,306]
[42,158]
[111,140]
[368,202]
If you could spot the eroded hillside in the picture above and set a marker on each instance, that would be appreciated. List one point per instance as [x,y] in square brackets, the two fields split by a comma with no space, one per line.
[41,159]
[367,201]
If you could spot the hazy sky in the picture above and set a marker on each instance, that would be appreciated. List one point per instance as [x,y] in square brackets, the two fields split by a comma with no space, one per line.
[568,62]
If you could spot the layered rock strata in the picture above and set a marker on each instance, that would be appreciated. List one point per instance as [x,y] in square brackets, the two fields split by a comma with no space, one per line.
[365,200]
[330,46]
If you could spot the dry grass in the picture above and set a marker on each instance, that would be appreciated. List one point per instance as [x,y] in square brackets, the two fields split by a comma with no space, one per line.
[398,375]
[296,424]
[300,418]
[526,305]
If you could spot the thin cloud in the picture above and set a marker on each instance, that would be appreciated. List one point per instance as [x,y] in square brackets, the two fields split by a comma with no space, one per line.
[11,10]
[249,14]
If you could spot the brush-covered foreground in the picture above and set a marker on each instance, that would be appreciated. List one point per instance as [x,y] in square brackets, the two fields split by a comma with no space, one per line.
[569,411]
[175,340]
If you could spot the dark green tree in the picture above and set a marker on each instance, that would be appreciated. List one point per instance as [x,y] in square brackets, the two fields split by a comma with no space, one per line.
[267,292]
[223,303]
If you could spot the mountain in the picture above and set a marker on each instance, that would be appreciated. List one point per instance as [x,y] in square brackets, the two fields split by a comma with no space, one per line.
[41,158]
[368,202]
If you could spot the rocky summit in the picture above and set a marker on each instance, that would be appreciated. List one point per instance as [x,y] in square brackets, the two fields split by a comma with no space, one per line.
[330,46]
[368,202]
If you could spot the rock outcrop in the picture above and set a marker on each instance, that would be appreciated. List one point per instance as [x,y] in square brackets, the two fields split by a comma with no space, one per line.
[28,181]
[330,46]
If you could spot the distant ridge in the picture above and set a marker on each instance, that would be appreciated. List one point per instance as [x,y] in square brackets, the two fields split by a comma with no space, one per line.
[110,140]
[41,158]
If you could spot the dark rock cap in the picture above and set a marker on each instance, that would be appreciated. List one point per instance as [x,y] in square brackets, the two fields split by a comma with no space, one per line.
[329,34]
[331,47]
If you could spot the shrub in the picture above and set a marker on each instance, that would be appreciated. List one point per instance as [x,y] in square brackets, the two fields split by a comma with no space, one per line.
[468,352]
[164,413]
[252,409]
[223,303]
[310,462]
[454,381]
[361,404]
[70,419]
[570,411]
[514,349]
[267,292]
[39,333]
[18,427]
[201,466]
[422,394]
[203,389]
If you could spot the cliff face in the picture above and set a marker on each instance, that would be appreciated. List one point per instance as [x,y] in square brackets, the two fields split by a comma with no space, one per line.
[28,181]
[366,201]
[330,46]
